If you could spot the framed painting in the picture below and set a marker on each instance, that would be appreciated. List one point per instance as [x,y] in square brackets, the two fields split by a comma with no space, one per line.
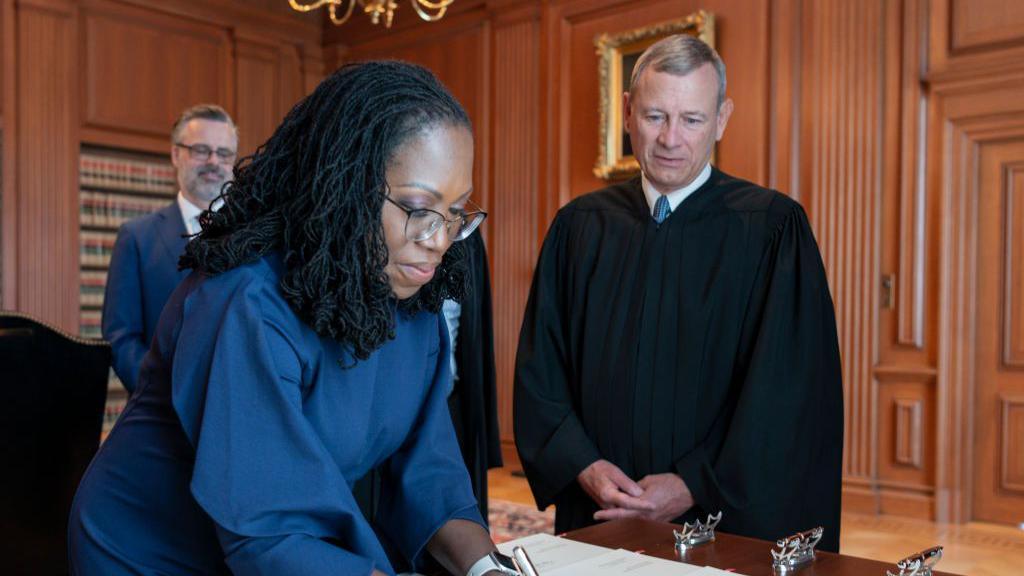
[617,55]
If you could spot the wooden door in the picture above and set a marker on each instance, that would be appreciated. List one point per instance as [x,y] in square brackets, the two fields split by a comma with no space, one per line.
[999,364]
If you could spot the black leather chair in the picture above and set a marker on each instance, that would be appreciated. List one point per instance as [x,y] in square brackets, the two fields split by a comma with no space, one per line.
[52,397]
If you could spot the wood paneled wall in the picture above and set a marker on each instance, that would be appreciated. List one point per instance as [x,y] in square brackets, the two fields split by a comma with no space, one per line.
[841,169]
[886,118]
[854,162]
[173,63]
[117,73]
[516,230]
[46,168]
[8,220]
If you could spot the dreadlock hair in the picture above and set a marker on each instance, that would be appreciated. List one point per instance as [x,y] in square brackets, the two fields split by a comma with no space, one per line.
[315,191]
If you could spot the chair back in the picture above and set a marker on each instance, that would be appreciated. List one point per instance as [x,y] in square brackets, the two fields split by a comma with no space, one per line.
[52,397]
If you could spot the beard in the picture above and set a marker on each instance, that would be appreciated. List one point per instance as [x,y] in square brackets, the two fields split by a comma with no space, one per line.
[205,190]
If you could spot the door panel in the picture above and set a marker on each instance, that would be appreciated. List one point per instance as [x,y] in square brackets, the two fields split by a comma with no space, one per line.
[999,399]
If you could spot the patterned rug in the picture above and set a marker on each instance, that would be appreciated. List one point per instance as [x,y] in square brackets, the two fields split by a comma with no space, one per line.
[510,520]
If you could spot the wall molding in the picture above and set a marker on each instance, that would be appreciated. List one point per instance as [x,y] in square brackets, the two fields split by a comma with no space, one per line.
[1011,461]
[910,287]
[1012,332]
[903,373]
[907,440]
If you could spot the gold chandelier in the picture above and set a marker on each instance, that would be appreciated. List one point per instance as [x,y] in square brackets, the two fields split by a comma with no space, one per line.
[429,10]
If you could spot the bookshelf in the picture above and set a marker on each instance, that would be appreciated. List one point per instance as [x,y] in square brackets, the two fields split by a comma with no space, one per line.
[114,186]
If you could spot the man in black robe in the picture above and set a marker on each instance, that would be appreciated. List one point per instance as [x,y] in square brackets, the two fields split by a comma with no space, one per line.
[679,356]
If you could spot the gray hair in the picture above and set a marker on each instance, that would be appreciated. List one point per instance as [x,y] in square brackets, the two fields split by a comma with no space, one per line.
[201,112]
[679,55]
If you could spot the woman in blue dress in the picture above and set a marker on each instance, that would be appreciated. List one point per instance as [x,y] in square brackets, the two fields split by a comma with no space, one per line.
[303,350]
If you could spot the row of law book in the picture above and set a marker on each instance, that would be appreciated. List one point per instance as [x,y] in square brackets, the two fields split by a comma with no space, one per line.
[106,210]
[89,323]
[110,172]
[114,187]
[92,284]
[95,248]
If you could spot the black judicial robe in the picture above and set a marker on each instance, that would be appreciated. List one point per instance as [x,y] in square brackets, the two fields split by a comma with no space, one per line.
[473,402]
[705,346]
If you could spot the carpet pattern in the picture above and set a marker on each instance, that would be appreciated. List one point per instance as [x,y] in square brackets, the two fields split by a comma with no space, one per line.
[510,520]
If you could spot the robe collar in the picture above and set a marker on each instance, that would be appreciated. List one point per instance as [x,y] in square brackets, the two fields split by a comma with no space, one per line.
[675,197]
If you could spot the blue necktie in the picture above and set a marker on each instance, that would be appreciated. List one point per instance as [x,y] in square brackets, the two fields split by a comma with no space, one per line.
[661,209]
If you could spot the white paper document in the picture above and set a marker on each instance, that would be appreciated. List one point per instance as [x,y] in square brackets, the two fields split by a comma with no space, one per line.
[549,552]
[625,563]
[554,556]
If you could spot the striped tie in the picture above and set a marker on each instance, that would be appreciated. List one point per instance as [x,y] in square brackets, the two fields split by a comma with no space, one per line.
[661,209]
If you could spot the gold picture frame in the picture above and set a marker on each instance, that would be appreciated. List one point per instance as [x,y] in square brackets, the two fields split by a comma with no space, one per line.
[617,54]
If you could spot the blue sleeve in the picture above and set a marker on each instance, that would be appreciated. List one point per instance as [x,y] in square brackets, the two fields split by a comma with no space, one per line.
[426,483]
[280,504]
[122,322]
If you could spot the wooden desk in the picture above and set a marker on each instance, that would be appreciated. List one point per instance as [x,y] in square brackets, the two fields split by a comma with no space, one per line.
[745,555]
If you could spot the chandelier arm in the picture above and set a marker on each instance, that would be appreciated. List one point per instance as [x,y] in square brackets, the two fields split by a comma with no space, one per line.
[429,5]
[441,8]
[310,7]
[374,8]
[333,13]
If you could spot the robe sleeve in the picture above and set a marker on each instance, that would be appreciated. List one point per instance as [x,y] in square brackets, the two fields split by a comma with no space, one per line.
[425,483]
[773,466]
[122,321]
[552,443]
[475,411]
[261,473]
[484,416]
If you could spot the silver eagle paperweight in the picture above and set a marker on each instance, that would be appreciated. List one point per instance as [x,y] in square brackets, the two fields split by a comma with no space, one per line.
[697,533]
[919,564]
[796,550]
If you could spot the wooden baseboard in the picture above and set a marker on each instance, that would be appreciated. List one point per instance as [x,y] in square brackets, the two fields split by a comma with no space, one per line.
[860,500]
[888,501]
[907,504]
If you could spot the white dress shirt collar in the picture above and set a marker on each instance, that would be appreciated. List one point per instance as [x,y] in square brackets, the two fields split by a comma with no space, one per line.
[190,213]
[676,197]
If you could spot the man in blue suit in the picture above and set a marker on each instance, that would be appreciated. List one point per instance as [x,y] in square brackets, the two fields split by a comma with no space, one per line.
[144,264]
